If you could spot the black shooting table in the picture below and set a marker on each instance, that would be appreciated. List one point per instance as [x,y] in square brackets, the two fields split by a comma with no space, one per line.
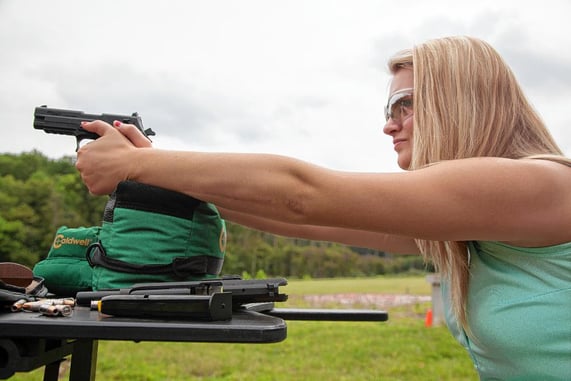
[29,340]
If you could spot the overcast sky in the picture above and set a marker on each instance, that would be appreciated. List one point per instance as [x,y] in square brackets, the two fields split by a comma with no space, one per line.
[301,78]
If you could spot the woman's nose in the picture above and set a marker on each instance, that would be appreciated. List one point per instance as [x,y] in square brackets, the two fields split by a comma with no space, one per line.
[391,127]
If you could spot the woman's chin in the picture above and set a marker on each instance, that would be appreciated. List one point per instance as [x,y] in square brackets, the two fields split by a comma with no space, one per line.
[403,161]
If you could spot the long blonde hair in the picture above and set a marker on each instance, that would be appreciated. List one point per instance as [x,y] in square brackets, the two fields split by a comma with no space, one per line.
[467,103]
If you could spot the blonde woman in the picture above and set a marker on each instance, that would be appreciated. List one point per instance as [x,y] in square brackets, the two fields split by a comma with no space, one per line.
[485,196]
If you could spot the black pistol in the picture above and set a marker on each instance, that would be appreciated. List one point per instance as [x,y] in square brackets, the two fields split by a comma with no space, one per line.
[68,122]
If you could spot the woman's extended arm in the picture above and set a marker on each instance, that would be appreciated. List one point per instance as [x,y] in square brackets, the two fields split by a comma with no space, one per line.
[385,242]
[524,201]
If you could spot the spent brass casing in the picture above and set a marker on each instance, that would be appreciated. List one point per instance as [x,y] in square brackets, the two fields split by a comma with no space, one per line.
[55,310]
[18,305]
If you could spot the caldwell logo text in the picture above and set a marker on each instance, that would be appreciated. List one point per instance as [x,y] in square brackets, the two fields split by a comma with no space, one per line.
[61,240]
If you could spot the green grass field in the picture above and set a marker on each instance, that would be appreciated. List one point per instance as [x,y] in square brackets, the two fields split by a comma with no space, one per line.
[399,349]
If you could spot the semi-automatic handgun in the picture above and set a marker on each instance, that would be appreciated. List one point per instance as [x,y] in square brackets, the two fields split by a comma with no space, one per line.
[68,122]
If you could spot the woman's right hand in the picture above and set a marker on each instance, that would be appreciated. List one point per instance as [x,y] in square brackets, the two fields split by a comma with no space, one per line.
[104,162]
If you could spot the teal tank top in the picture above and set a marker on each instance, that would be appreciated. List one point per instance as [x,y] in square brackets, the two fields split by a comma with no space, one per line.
[519,311]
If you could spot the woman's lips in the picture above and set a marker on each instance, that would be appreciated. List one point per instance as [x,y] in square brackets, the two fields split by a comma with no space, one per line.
[397,143]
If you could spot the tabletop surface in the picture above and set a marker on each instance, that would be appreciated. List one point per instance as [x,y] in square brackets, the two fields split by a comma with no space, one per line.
[244,327]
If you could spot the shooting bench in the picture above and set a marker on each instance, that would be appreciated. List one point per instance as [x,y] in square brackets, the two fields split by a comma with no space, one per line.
[29,341]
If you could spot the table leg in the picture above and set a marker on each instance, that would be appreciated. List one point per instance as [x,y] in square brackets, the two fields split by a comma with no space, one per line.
[84,360]
[51,371]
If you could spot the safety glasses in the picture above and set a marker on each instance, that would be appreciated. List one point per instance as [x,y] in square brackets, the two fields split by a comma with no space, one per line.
[399,106]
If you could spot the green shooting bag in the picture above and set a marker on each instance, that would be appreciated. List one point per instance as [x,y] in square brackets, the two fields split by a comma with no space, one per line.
[66,270]
[151,234]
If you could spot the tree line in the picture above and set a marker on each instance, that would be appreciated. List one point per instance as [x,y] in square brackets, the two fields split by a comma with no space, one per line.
[39,194]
